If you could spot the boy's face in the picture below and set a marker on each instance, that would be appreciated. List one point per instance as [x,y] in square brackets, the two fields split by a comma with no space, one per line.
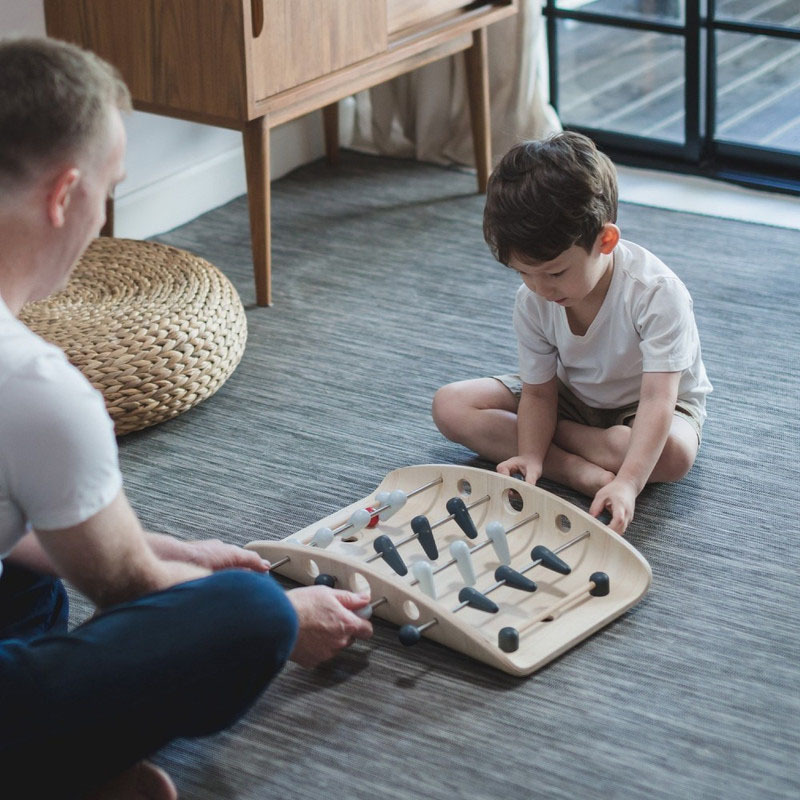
[574,275]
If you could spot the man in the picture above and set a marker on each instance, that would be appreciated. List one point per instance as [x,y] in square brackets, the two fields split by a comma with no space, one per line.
[187,634]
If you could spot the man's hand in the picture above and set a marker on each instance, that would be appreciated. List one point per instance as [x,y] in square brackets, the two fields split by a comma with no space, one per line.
[527,466]
[619,497]
[327,622]
[212,554]
[215,554]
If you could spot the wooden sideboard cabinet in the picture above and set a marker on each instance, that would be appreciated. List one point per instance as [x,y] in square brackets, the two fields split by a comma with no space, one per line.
[254,64]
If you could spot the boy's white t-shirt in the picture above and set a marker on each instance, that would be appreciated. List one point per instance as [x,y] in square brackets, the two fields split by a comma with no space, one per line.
[645,324]
[58,454]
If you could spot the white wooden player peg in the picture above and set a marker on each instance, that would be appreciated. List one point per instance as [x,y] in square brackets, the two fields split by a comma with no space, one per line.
[359,519]
[424,574]
[459,550]
[393,502]
[381,500]
[365,612]
[322,538]
[496,534]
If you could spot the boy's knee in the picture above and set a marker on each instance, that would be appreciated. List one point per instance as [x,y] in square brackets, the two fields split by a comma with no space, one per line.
[676,461]
[677,465]
[619,440]
[445,410]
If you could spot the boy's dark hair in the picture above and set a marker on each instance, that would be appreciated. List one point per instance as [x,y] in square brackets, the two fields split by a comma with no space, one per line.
[52,101]
[546,196]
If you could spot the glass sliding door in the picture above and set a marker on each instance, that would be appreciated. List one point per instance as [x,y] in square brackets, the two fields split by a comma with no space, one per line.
[705,87]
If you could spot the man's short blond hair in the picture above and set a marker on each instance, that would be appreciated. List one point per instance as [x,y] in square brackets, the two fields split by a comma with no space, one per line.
[53,102]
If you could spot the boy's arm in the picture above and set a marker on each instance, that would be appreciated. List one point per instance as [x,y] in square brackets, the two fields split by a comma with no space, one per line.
[536,424]
[648,437]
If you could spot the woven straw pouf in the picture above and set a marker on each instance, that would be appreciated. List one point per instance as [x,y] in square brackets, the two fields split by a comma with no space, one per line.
[154,328]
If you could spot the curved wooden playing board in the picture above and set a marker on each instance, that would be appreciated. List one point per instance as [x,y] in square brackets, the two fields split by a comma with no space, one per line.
[587,545]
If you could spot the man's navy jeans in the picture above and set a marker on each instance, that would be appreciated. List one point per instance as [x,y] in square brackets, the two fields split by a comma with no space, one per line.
[77,708]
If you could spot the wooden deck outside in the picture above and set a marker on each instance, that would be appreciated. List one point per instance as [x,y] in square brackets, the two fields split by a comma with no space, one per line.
[633,81]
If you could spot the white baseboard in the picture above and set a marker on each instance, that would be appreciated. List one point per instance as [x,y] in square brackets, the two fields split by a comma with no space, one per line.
[704,196]
[176,198]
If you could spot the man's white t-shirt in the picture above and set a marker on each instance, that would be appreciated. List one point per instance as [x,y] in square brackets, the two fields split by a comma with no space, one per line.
[645,324]
[58,455]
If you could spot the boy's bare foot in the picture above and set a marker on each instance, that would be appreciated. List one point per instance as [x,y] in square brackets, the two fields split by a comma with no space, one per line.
[143,781]
[575,472]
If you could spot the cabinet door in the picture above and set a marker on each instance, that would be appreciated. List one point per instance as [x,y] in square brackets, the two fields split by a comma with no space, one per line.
[301,40]
[177,56]
[410,13]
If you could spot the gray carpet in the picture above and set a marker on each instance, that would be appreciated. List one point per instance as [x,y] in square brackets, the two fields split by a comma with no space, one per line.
[384,290]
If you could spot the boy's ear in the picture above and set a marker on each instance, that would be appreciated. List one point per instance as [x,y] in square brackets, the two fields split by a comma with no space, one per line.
[608,238]
[60,194]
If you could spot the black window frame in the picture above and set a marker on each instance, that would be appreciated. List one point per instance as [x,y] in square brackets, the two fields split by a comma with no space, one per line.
[701,152]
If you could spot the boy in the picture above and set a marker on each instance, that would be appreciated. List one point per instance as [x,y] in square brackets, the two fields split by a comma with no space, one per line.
[611,389]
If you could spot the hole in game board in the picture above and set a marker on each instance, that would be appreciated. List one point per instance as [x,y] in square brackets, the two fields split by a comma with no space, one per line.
[358,583]
[513,500]
[563,523]
[465,487]
[312,568]
[411,610]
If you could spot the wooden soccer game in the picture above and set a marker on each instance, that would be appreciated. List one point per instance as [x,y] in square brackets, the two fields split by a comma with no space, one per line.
[503,571]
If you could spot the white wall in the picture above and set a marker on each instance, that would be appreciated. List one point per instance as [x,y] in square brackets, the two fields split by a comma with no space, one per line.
[178,170]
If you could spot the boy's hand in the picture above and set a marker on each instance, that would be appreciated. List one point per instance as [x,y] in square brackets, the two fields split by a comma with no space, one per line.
[528,467]
[619,497]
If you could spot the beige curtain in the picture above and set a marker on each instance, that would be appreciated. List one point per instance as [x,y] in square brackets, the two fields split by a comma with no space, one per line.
[425,114]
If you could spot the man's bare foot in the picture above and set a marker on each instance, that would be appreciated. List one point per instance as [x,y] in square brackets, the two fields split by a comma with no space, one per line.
[143,781]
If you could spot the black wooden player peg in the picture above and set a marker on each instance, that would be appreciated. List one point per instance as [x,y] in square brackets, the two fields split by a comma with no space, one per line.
[456,507]
[602,584]
[385,546]
[409,635]
[422,528]
[547,558]
[514,579]
[476,599]
[508,640]
[323,579]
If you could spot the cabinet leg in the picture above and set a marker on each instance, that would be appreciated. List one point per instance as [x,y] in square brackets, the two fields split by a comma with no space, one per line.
[330,121]
[256,158]
[478,88]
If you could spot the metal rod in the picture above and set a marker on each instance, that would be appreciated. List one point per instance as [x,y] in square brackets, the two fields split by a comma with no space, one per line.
[413,536]
[529,567]
[346,525]
[557,606]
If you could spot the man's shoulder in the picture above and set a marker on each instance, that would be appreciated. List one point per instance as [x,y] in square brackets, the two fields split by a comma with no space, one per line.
[21,350]
[37,381]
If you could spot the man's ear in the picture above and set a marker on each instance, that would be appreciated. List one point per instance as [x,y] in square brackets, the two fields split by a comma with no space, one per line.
[608,238]
[58,198]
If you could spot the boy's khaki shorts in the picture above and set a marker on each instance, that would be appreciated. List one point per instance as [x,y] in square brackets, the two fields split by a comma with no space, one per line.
[571,408]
